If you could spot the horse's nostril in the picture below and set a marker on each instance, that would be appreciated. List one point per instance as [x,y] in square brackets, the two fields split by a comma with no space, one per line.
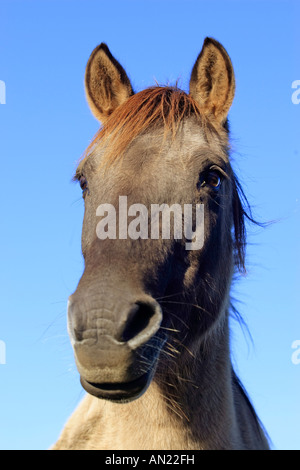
[138,320]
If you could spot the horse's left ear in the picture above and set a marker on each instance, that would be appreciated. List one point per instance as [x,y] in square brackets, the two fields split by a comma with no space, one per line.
[212,83]
[107,85]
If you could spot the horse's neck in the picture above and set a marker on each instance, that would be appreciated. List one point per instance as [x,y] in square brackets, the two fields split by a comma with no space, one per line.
[199,389]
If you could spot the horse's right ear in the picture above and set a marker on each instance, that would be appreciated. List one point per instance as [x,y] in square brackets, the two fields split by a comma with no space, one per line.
[212,83]
[106,83]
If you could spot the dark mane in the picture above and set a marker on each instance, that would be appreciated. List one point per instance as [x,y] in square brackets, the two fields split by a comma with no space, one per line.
[261,431]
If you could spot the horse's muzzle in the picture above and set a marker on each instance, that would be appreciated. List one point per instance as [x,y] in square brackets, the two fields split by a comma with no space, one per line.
[116,352]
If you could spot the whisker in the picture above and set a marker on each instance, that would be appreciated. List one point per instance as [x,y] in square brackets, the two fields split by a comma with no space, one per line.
[188,304]
[178,318]
[181,344]
[167,296]
[169,329]
[171,348]
[174,406]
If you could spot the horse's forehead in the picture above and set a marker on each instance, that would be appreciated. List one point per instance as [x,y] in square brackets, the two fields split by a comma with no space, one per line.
[155,150]
[159,156]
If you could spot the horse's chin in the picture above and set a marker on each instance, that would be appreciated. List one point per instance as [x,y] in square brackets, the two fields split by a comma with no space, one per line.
[123,392]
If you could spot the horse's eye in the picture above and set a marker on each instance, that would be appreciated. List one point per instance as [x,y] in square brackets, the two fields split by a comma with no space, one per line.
[83,184]
[213,179]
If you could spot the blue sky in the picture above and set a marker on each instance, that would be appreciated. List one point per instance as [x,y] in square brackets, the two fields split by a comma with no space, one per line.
[45,126]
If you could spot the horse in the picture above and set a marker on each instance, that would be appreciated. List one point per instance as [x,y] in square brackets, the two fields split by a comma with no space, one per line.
[149,319]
